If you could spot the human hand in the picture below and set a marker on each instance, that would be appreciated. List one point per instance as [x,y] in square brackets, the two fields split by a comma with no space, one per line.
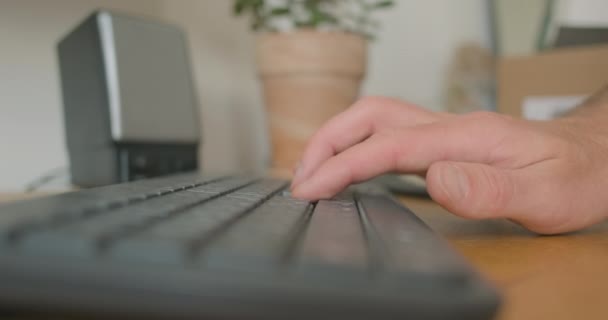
[550,176]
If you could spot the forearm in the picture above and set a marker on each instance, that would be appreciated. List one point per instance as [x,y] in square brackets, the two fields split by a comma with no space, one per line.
[593,107]
[588,120]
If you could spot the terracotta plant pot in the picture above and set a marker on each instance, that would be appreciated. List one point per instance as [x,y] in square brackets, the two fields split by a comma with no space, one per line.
[307,76]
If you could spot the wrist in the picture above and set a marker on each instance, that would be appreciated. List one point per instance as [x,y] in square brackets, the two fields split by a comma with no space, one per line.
[583,127]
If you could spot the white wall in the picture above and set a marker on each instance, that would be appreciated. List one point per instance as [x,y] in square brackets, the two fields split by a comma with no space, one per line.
[233,121]
[416,43]
[31,127]
[583,13]
[408,61]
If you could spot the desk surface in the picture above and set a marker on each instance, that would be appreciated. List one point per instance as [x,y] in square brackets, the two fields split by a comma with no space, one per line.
[541,277]
[556,277]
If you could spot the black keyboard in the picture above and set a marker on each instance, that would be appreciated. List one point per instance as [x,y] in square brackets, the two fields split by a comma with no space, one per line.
[230,248]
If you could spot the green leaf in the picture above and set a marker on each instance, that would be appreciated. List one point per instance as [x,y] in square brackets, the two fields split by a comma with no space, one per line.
[329,18]
[259,12]
[302,24]
[318,16]
[239,6]
[279,11]
[383,4]
[257,4]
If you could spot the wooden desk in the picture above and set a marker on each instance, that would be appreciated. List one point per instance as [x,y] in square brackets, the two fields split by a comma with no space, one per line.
[541,277]
[557,277]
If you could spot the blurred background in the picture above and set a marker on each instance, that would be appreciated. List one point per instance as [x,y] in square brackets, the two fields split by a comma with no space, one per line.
[439,54]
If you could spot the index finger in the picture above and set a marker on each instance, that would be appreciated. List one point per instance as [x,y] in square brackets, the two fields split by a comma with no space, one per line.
[353,126]
[407,150]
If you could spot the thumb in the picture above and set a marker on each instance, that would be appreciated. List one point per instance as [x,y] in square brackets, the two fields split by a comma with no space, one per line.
[473,190]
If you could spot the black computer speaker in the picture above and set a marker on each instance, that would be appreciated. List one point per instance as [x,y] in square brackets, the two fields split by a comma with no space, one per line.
[130,106]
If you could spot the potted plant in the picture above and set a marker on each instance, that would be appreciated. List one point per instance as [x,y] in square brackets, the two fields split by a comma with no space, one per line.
[311,57]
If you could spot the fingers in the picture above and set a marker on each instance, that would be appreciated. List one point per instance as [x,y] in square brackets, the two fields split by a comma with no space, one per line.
[355,125]
[409,150]
[358,163]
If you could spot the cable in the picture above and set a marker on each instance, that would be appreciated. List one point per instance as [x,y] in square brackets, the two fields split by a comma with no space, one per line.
[45,178]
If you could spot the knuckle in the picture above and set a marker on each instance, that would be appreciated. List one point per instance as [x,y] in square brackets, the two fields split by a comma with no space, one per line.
[392,152]
[368,108]
[393,149]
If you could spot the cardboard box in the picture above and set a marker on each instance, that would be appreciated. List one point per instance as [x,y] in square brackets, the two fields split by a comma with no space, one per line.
[564,74]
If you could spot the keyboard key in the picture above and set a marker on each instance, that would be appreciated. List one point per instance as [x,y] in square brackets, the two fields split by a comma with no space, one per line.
[264,236]
[403,242]
[186,233]
[85,237]
[17,218]
[334,235]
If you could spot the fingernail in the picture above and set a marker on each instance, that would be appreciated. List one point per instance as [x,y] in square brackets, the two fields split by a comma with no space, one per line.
[454,182]
[300,190]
